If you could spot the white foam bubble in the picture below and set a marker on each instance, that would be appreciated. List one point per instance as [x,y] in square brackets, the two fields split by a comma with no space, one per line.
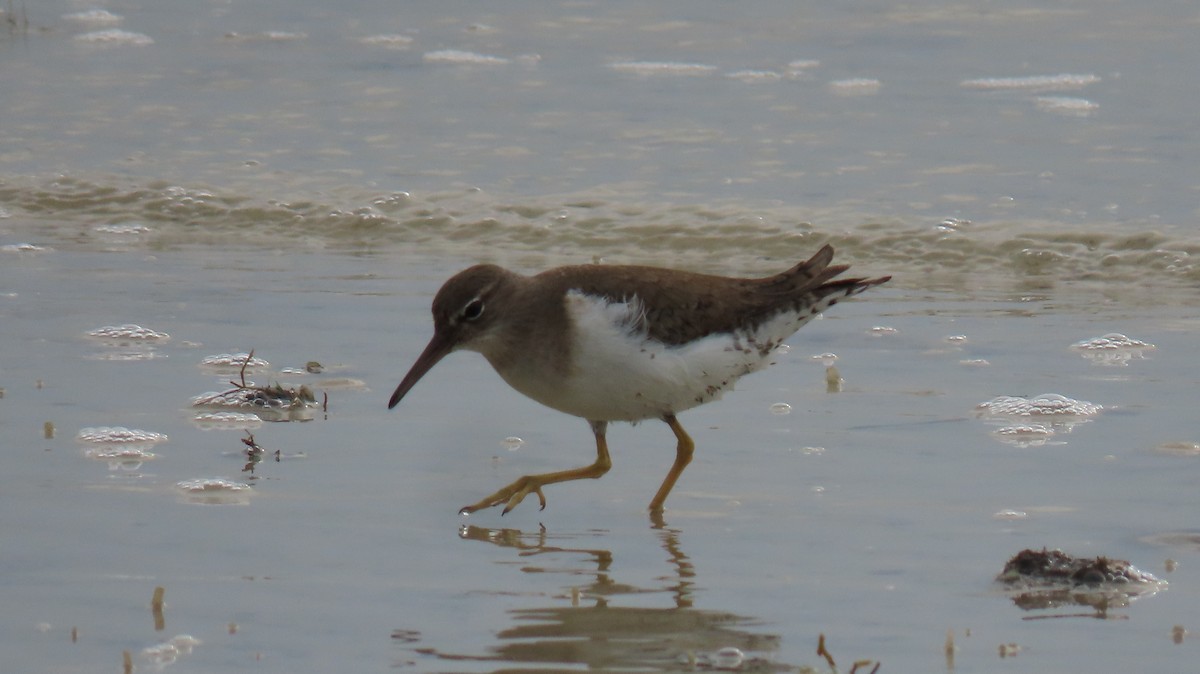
[1066,105]
[663,68]
[1025,435]
[461,57]
[233,362]
[209,421]
[1063,81]
[119,435]
[1049,406]
[115,36]
[128,333]
[754,76]
[1113,349]
[388,41]
[22,248]
[827,359]
[95,17]
[855,86]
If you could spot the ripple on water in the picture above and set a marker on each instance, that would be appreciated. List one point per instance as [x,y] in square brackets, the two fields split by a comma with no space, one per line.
[1179,448]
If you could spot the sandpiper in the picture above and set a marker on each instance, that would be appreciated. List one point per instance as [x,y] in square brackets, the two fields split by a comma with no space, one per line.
[623,343]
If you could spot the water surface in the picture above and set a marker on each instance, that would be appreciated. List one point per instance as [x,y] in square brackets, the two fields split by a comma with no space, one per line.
[299,180]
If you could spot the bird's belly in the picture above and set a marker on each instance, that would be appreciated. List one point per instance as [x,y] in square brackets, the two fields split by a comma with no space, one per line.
[653,380]
[614,374]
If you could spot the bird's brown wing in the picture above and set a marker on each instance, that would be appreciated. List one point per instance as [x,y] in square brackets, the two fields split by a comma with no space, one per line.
[679,306]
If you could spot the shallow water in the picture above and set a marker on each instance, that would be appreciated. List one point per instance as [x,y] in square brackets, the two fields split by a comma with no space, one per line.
[349,552]
[300,180]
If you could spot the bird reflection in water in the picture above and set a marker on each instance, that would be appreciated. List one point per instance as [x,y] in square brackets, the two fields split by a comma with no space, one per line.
[585,625]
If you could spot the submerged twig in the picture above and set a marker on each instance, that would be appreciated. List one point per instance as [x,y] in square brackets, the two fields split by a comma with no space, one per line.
[824,653]
[254,453]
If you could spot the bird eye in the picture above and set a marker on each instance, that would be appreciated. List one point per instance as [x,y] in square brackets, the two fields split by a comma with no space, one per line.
[473,310]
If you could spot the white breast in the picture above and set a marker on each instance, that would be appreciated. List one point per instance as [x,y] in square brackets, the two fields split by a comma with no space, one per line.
[617,373]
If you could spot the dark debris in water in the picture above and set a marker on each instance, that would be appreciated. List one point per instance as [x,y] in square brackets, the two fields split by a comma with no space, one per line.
[254,453]
[1046,579]
[274,397]
[1034,567]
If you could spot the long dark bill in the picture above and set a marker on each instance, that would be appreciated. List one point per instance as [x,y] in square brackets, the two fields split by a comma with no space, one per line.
[437,349]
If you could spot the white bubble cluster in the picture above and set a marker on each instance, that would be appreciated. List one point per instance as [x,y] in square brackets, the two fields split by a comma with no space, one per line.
[1032,83]
[827,359]
[460,57]
[1113,349]
[115,36]
[1111,341]
[166,653]
[119,435]
[95,17]
[214,491]
[1026,435]
[208,421]
[120,453]
[128,333]
[388,41]
[662,68]
[22,248]
[212,484]
[233,362]
[857,86]
[1049,406]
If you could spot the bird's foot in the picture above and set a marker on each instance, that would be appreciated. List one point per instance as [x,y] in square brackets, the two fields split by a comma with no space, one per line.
[511,496]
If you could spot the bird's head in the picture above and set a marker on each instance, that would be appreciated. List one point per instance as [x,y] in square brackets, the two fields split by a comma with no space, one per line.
[462,319]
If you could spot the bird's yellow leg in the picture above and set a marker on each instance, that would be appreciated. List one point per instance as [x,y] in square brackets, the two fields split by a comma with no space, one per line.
[683,456]
[513,494]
